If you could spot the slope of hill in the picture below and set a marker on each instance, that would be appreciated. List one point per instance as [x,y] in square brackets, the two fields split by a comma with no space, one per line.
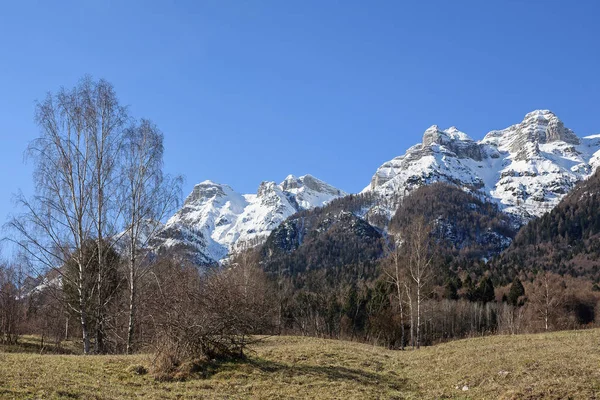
[339,235]
[325,238]
[464,225]
[565,240]
[557,365]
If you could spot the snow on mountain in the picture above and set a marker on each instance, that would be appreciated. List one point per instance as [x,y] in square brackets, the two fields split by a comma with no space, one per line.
[527,168]
[215,220]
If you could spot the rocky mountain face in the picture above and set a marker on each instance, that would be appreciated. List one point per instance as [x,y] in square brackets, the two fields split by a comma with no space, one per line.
[215,220]
[526,168]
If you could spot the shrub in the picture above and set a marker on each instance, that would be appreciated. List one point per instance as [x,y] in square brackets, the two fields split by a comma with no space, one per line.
[209,317]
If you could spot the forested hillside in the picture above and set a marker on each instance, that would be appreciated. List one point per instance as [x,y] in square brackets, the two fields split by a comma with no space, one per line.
[566,240]
[332,267]
[464,224]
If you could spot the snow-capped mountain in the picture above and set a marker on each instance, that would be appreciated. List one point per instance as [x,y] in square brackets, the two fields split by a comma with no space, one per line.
[527,168]
[215,220]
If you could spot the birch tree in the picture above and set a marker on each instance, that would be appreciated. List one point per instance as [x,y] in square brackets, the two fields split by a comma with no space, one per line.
[396,275]
[56,219]
[106,122]
[418,249]
[98,179]
[148,196]
[546,297]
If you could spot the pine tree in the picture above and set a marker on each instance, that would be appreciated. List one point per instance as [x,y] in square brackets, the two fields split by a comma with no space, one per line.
[450,290]
[485,290]
[516,290]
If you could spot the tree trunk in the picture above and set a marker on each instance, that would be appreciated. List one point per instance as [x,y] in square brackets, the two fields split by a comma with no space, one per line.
[401,309]
[418,316]
[84,328]
[411,316]
[130,328]
[132,293]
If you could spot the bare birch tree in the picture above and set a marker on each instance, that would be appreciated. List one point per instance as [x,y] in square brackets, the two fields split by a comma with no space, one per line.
[418,249]
[546,296]
[56,220]
[99,180]
[396,275]
[106,122]
[148,196]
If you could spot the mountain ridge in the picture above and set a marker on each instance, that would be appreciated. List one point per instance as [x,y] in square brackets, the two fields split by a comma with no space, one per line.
[525,169]
[215,220]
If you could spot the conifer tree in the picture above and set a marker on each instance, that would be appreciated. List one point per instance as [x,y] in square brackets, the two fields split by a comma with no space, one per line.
[516,290]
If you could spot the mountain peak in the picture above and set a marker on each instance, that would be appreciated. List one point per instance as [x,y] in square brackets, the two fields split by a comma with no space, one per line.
[206,190]
[434,134]
[215,220]
[319,186]
[265,188]
[455,133]
[540,114]
[541,127]
[208,182]
[526,168]
[290,182]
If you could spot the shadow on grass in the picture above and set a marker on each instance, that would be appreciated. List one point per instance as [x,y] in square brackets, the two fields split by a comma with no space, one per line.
[34,346]
[311,372]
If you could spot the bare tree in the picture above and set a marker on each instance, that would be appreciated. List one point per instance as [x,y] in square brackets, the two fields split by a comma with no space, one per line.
[106,121]
[11,304]
[56,221]
[396,275]
[411,309]
[148,196]
[546,296]
[76,160]
[418,249]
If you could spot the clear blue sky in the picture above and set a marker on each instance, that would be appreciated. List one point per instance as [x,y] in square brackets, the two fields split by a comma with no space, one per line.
[247,91]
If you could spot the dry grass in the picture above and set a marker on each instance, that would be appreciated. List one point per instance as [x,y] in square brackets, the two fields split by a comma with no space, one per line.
[556,366]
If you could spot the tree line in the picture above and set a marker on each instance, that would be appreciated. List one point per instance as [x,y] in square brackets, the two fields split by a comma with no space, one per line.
[414,299]
[396,290]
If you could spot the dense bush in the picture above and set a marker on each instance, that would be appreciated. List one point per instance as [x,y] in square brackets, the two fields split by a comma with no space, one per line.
[209,317]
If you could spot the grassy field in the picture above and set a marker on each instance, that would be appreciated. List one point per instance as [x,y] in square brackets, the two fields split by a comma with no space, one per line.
[555,366]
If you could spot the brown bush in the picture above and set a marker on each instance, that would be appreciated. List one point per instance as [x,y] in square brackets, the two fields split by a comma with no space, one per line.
[201,318]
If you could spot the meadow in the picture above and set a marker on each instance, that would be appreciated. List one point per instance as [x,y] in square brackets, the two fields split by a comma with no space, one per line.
[556,365]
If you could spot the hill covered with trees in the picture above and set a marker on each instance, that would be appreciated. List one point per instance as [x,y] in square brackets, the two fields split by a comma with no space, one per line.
[465,226]
[566,240]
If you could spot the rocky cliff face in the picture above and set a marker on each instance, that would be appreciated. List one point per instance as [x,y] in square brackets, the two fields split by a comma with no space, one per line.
[526,168]
[215,220]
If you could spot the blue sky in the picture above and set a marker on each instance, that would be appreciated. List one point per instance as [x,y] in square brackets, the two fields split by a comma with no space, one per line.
[247,91]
